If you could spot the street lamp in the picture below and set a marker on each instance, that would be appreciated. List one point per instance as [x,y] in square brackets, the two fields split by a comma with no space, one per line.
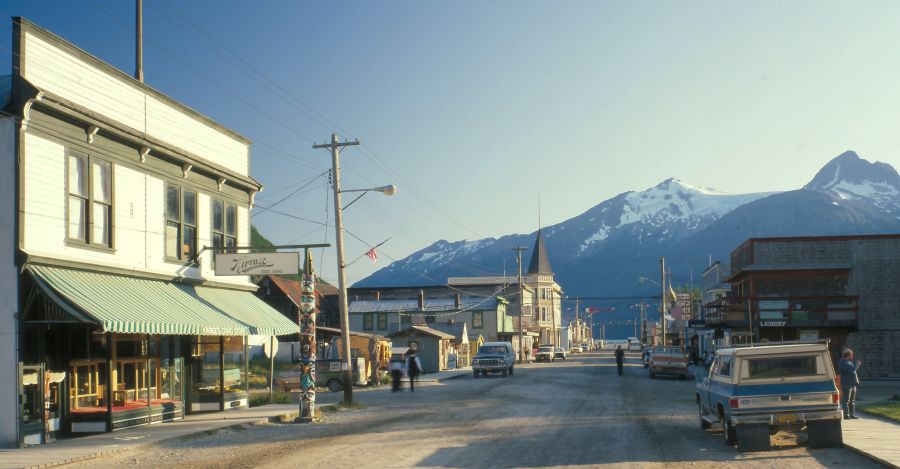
[662,307]
[388,190]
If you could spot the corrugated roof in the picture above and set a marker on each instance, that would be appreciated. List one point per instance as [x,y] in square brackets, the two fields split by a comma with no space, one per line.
[423,330]
[292,288]
[433,305]
[143,306]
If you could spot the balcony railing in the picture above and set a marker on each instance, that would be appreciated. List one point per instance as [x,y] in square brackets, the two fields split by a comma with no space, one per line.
[823,311]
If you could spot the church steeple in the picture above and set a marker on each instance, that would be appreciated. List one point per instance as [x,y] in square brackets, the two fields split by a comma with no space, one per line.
[540,262]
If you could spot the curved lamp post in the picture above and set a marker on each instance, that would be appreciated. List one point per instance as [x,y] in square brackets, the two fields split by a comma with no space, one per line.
[388,190]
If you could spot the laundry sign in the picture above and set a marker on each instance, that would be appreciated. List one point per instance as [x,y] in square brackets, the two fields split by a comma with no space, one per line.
[258,263]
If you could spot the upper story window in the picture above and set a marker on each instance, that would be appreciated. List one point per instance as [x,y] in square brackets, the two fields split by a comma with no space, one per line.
[181,223]
[89,204]
[368,321]
[477,319]
[224,224]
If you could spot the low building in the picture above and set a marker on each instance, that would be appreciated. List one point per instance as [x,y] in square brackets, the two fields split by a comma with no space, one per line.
[841,288]
[432,346]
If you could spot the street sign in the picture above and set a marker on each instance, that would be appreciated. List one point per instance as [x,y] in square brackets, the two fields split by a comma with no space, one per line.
[257,263]
[270,346]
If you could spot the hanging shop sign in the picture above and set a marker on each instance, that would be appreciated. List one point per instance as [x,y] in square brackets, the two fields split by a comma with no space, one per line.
[257,263]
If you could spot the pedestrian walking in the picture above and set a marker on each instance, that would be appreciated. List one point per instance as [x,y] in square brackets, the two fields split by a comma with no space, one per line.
[397,374]
[413,369]
[620,359]
[847,368]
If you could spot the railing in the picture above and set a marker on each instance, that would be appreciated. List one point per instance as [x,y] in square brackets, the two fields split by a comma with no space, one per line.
[795,311]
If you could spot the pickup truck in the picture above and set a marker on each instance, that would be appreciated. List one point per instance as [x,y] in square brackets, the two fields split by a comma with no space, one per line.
[753,392]
[668,360]
[545,354]
[494,357]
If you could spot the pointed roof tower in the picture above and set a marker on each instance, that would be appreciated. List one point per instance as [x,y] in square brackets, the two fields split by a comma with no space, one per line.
[540,262]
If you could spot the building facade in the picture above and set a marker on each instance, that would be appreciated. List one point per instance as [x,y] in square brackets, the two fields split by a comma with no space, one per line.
[841,288]
[113,315]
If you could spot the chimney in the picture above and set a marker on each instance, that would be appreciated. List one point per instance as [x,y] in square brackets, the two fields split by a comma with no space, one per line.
[421,300]
[457,300]
[377,296]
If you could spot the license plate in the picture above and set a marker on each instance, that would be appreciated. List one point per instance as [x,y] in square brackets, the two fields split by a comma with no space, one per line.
[785,418]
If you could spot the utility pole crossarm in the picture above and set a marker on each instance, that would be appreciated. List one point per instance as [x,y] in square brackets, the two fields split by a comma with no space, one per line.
[336,144]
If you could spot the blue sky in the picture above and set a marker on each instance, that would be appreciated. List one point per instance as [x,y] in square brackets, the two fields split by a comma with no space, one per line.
[473,108]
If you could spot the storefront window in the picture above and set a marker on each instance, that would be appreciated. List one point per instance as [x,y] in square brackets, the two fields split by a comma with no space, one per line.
[169,369]
[87,386]
[205,371]
[235,365]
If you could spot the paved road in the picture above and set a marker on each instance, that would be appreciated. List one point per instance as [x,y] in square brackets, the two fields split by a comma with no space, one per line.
[572,413]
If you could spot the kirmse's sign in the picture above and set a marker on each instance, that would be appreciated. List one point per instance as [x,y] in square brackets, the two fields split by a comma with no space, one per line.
[258,263]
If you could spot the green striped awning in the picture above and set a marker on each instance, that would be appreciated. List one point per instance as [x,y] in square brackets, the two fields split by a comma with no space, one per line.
[124,304]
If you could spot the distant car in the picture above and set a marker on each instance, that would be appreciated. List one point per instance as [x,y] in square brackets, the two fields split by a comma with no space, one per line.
[634,344]
[756,391]
[494,357]
[668,360]
[575,349]
[560,353]
[545,354]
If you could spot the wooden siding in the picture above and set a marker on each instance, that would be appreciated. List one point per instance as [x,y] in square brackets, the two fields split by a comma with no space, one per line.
[60,71]
[139,217]
[9,285]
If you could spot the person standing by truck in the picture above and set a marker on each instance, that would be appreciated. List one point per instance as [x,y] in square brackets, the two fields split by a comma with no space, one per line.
[620,359]
[847,368]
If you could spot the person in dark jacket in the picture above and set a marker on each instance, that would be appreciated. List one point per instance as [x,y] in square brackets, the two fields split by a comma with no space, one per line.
[413,369]
[620,359]
[397,373]
[847,368]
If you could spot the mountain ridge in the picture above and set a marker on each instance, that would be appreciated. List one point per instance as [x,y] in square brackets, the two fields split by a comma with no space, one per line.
[605,248]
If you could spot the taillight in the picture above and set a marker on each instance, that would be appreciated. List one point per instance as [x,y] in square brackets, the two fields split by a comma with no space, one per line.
[835,397]
[733,403]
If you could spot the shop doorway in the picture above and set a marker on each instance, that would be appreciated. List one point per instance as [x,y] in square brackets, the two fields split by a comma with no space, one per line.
[39,404]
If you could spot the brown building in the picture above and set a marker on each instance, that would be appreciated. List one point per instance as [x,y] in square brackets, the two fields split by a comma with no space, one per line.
[842,288]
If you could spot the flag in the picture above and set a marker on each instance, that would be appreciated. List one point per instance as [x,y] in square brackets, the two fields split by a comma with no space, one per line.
[672,294]
[372,255]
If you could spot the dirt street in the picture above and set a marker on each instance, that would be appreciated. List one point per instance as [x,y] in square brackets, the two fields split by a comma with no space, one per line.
[576,413]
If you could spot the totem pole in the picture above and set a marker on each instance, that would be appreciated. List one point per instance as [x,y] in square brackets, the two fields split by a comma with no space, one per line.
[307,319]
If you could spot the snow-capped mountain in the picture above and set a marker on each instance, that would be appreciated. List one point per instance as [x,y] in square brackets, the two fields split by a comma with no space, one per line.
[606,248]
[852,178]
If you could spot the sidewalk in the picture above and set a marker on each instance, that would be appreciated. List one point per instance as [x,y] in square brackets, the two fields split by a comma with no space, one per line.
[77,449]
[873,436]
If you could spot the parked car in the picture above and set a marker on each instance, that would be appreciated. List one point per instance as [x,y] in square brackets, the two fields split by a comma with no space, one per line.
[545,354]
[560,353]
[328,374]
[668,361]
[494,357]
[755,391]
[634,344]
[575,349]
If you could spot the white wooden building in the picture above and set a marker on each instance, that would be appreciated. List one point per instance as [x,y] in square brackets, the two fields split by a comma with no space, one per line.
[111,314]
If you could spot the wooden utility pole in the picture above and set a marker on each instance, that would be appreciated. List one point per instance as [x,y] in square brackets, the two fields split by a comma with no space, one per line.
[662,270]
[346,368]
[519,250]
[139,41]
[578,327]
